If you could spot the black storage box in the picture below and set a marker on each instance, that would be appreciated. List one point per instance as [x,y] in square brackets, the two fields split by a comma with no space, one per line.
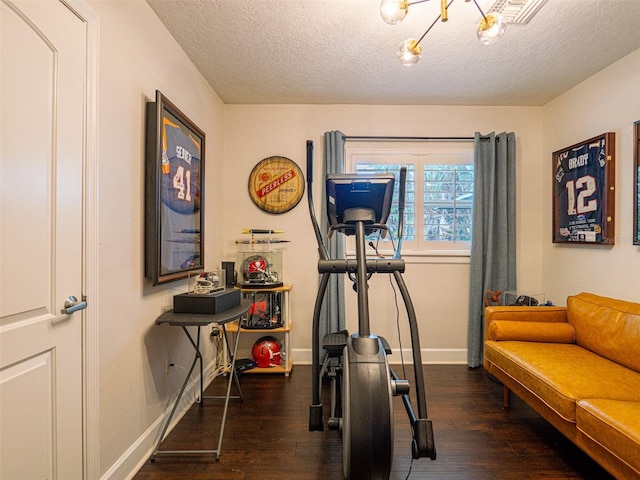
[210,303]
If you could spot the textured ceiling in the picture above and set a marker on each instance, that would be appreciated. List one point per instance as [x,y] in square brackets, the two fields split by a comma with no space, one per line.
[341,52]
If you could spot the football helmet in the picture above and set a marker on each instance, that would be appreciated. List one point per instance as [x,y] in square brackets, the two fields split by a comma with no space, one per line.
[256,269]
[267,352]
[208,282]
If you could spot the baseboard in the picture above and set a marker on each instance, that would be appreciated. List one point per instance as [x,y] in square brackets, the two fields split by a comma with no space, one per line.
[141,450]
[436,356]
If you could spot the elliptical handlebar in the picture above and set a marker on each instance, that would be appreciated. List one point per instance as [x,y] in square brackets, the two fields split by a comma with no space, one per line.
[373,265]
[403,179]
[322,249]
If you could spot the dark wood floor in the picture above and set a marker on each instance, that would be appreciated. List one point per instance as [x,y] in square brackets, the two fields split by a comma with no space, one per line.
[268,438]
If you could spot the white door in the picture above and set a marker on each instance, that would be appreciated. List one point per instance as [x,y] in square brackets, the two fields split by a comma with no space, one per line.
[42,91]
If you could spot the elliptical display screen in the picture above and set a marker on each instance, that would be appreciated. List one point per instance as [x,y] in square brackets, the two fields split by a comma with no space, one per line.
[356,193]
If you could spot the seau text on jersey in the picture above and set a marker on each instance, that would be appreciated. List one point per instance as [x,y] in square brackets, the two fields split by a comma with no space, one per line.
[183,153]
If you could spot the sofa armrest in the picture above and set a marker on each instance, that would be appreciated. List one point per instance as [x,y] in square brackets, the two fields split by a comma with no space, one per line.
[522,314]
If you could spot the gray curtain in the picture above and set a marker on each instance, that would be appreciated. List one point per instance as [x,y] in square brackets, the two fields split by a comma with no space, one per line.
[332,314]
[493,244]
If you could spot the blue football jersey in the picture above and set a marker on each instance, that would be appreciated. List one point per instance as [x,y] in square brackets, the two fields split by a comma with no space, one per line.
[180,169]
[180,194]
[580,191]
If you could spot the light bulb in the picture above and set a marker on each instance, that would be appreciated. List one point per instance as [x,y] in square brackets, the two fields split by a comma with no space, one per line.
[409,52]
[394,11]
[491,28]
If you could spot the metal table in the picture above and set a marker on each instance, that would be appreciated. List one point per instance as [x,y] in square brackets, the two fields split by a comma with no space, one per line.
[198,320]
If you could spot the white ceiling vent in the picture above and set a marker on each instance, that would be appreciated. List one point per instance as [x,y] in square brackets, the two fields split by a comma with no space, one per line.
[516,11]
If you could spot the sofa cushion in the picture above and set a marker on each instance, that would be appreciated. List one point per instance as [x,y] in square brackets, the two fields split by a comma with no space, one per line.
[607,326]
[560,373]
[549,332]
[526,313]
[614,424]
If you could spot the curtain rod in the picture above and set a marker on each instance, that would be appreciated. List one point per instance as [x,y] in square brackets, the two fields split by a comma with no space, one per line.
[408,139]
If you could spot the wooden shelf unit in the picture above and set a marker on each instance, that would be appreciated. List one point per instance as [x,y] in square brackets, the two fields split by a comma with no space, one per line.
[282,333]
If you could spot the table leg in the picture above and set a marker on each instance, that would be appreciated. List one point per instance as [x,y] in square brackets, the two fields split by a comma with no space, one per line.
[233,375]
[197,357]
[233,360]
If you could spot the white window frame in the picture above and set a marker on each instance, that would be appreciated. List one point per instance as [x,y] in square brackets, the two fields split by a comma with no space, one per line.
[419,153]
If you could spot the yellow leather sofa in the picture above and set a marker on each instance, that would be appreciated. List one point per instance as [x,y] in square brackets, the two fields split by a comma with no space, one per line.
[579,367]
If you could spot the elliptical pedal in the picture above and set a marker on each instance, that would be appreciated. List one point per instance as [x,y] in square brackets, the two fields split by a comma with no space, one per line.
[333,344]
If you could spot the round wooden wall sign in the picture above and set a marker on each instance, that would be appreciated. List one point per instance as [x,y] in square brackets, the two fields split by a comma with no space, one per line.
[276,184]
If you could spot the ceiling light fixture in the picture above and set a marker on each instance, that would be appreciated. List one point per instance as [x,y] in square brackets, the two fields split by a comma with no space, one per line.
[490,28]
[515,11]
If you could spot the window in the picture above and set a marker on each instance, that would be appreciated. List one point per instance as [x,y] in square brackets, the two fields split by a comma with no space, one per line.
[448,202]
[439,192]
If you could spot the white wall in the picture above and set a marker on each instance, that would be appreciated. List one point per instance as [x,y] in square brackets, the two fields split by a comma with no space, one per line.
[439,286]
[607,102]
[137,56]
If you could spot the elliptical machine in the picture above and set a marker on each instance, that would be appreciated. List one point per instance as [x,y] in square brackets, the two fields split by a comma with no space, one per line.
[359,205]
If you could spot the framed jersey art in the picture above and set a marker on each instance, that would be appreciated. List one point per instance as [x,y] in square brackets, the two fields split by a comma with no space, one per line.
[174,218]
[636,183]
[584,192]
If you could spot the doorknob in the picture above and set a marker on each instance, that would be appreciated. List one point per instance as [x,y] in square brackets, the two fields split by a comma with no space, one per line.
[73,305]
